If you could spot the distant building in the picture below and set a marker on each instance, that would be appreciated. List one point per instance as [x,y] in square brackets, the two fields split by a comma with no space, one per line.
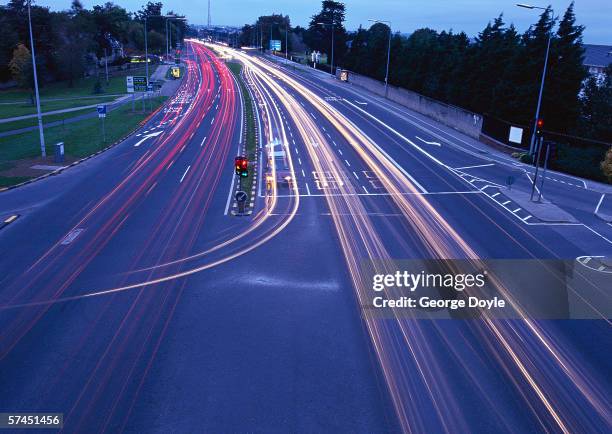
[597,58]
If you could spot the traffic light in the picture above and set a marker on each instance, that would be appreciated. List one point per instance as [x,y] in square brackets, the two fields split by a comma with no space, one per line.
[540,128]
[241,165]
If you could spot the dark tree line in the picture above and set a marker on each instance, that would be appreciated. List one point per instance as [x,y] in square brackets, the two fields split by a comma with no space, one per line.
[68,42]
[497,74]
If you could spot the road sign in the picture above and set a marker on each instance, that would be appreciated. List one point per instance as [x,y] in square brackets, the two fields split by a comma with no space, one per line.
[130,83]
[137,83]
[101,111]
[149,88]
[241,196]
[175,72]
[275,44]
[344,75]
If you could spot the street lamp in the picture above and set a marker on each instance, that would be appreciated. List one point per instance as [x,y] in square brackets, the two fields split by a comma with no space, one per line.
[43,151]
[388,23]
[146,17]
[168,34]
[537,114]
[331,66]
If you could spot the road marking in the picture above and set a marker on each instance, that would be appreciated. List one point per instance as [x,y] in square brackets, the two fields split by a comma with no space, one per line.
[347,163]
[516,210]
[526,218]
[365,189]
[355,175]
[11,219]
[308,189]
[382,151]
[296,151]
[506,202]
[340,151]
[212,120]
[313,116]
[299,161]
[429,143]
[186,170]
[148,136]
[475,167]
[71,237]
[335,144]
[203,140]
[303,173]
[495,195]
[599,203]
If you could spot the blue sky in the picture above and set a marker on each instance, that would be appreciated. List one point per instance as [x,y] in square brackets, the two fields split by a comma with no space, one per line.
[460,15]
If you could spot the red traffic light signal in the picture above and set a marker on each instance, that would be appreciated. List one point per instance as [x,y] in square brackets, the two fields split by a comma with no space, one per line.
[241,165]
[539,127]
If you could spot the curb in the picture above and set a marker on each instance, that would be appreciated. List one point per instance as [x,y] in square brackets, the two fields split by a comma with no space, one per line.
[117,142]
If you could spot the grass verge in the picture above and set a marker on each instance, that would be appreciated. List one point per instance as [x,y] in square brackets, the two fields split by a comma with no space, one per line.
[17,102]
[80,139]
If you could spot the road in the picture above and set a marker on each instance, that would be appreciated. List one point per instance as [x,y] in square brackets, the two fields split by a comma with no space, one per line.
[131,300]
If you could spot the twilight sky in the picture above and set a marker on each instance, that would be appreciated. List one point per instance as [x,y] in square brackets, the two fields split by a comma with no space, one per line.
[470,16]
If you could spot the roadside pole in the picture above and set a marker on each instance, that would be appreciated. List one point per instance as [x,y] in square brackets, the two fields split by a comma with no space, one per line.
[43,151]
[102,115]
[537,166]
[106,66]
[544,171]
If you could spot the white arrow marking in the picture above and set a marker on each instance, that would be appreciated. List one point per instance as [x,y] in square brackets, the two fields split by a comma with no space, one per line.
[148,136]
[429,143]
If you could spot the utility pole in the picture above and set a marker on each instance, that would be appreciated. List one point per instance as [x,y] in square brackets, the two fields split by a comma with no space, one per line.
[286,46]
[146,52]
[43,151]
[106,65]
[208,22]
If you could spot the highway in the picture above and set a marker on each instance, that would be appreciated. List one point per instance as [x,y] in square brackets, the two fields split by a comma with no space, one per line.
[131,300]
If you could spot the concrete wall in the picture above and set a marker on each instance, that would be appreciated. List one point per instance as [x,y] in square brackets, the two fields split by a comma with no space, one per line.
[462,120]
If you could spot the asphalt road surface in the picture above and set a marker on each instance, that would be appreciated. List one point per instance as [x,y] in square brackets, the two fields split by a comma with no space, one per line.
[131,300]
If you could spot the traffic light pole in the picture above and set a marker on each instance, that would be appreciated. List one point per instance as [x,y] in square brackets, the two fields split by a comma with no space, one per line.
[537,166]
[537,116]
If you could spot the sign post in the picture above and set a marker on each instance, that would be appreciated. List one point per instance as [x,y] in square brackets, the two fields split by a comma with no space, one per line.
[241,198]
[102,115]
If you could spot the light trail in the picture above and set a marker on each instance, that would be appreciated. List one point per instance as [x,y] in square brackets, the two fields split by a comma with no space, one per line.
[441,241]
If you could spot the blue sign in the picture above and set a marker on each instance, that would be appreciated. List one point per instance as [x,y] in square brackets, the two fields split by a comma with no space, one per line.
[275,45]
[101,109]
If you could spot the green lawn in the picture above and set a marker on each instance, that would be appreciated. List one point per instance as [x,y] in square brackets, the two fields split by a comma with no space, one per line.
[80,94]
[80,138]
[31,122]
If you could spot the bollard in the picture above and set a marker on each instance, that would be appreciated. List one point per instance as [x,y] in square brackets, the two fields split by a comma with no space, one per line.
[59,152]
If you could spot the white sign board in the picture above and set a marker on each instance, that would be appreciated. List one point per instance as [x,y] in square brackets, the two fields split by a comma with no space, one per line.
[516,135]
[130,83]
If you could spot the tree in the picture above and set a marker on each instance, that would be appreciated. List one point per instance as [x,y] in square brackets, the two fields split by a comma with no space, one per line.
[319,34]
[596,108]
[566,75]
[606,165]
[21,67]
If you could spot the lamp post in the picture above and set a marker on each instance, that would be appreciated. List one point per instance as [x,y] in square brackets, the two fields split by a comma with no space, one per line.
[331,66]
[146,17]
[43,151]
[388,23]
[532,145]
